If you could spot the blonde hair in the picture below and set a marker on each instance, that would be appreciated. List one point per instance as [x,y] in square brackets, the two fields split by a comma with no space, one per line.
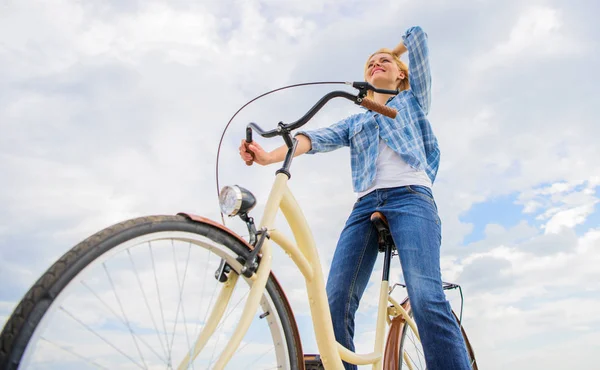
[404,83]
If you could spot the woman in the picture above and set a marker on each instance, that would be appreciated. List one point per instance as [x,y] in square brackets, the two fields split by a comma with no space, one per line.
[394,163]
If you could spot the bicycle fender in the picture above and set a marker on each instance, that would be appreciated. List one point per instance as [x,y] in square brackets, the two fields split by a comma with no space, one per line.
[204,220]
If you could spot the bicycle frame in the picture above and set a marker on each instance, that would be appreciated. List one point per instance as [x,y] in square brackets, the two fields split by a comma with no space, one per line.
[305,256]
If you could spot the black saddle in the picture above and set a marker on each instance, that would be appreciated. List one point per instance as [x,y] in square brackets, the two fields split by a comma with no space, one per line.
[383,230]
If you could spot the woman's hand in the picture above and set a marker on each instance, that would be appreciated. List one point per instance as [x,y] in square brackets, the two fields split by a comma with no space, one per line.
[253,153]
[399,49]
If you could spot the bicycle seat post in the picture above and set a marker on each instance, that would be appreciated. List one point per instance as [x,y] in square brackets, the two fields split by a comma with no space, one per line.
[386,243]
[386,262]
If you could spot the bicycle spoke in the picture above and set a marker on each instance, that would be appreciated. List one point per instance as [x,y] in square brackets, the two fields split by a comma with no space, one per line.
[261,356]
[180,285]
[223,322]
[412,339]
[73,353]
[147,304]
[211,298]
[124,315]
[160,304]
[232,309]
[219,327]
[99,336]
[240,349]
[120,318]
[214,349]
[410,358]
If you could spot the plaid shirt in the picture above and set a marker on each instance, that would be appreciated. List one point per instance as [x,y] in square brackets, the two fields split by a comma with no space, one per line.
[409,134]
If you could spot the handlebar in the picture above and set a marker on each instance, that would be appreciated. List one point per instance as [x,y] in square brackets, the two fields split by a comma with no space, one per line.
[360,99]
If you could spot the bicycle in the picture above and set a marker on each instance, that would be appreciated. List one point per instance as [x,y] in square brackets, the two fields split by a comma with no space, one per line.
[61,314]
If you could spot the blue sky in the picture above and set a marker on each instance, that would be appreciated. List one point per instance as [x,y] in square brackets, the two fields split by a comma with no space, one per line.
[112,110]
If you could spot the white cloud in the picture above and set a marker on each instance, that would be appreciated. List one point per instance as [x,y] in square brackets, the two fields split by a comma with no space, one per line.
[539,31]
[569,218]
[295,26]
[543,292]
[566,205]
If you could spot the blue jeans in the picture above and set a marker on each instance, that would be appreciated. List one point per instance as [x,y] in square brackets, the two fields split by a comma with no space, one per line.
[415,226]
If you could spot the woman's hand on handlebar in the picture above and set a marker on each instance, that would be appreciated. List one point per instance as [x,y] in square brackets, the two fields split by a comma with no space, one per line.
[253,153]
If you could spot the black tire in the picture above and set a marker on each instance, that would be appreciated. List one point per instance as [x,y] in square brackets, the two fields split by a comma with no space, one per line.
[406,329]
[21,325]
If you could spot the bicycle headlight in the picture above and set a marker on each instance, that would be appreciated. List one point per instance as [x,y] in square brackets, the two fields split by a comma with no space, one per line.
[235,199]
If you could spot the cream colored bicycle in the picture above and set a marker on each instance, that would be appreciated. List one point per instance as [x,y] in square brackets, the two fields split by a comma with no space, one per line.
[181,292]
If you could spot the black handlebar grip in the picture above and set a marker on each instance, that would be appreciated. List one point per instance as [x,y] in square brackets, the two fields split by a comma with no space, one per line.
[248,134]
[248,141]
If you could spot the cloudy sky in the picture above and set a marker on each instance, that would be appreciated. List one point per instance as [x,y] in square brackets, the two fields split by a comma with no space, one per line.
[113,109]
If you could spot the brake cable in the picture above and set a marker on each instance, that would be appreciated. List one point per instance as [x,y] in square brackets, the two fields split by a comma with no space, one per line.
[244,106]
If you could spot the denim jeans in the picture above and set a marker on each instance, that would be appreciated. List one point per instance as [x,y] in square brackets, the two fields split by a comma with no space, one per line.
[415,226]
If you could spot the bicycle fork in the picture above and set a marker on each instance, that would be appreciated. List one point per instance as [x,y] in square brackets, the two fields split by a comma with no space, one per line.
[259,282]
[250,308]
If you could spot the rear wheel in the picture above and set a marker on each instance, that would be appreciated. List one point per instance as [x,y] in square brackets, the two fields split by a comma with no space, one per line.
[411,351]
[137,295]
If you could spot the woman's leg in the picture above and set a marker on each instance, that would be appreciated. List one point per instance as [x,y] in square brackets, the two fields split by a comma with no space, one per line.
[416,230]
[350,271]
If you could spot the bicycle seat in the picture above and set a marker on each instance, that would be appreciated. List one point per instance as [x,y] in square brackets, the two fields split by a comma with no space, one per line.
[383,229]
[380,222]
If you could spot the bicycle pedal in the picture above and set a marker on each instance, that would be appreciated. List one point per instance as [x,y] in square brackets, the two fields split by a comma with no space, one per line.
[313,362]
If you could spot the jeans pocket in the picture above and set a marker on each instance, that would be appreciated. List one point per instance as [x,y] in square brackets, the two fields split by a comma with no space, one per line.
[422,191]
[425,193]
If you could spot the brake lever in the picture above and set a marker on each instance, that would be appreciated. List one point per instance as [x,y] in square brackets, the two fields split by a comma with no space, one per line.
[361,98]
[364,86]
[384,91]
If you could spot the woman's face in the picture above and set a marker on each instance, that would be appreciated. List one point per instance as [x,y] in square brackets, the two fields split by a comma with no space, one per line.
[383,71]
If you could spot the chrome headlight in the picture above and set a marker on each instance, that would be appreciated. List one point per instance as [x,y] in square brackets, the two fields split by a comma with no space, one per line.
[235,199]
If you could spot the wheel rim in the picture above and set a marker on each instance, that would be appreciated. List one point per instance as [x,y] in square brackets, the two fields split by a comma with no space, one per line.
[140,306]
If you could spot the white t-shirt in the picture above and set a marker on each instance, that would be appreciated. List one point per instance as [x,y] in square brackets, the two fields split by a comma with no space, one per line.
[393,171]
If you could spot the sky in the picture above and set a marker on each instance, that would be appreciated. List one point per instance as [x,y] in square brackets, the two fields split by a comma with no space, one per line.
[111,110]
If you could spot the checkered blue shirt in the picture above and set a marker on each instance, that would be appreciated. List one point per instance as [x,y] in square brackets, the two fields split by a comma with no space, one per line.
[409,134]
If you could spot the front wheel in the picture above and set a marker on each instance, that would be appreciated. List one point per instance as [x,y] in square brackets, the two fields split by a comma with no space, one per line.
[138,295]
